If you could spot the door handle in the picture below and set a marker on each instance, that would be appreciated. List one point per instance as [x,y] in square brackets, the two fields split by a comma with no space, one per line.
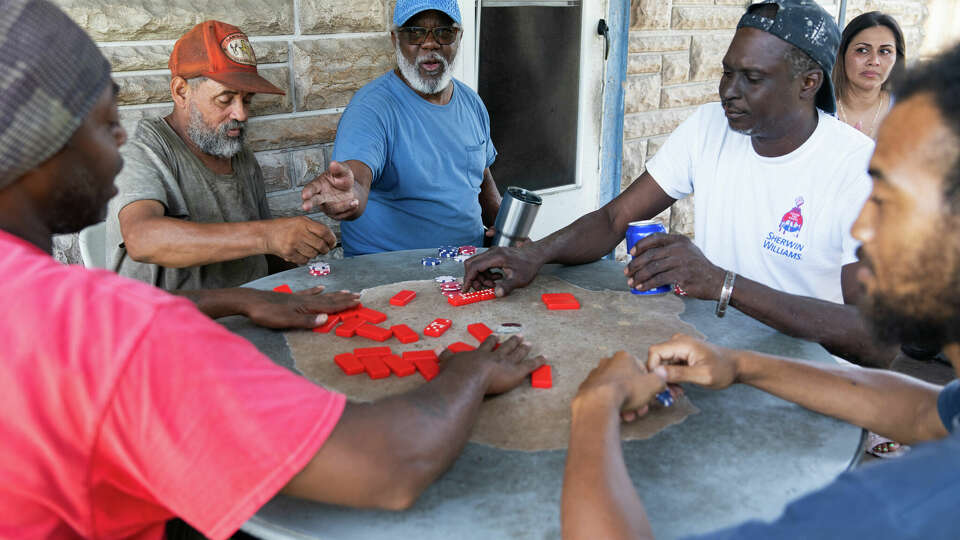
[604,30]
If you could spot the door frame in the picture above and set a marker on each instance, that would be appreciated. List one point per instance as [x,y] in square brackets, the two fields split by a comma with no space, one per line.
[600,112]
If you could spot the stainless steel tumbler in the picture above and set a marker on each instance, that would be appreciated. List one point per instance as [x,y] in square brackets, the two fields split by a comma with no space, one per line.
[515,218]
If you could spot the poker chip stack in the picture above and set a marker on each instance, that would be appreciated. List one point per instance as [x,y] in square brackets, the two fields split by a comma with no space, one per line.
[464,253]
[430,261]
[448,252]
[319,268]
[449,285]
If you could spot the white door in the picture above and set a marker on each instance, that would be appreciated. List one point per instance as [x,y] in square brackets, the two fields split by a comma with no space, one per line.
[563,204]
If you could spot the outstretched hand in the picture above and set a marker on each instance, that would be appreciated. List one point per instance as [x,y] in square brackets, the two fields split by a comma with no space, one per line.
[333,192]
[303,309]
[509,362]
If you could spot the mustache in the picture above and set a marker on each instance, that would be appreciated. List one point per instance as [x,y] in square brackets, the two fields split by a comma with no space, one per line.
[233,124]
[432,57]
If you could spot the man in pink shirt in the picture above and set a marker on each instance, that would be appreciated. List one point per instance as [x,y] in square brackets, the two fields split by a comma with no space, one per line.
[124,406]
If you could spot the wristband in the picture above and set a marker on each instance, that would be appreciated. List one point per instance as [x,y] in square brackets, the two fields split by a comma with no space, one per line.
[725,293]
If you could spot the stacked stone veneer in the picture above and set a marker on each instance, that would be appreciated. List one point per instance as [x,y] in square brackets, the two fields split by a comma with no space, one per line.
[674,65]
[319,51]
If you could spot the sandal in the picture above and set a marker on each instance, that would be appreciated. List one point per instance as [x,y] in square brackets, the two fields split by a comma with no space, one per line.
[885,448]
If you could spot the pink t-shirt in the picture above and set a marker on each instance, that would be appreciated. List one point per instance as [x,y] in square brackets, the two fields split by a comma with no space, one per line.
[123,406]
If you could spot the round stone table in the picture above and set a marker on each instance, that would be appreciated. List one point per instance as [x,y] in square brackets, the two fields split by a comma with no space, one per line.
[744,456]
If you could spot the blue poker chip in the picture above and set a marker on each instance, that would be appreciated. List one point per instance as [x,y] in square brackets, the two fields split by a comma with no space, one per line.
[430,261]
[665,398]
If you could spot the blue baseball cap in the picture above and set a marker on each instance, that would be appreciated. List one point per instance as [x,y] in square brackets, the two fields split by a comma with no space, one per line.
[406,9]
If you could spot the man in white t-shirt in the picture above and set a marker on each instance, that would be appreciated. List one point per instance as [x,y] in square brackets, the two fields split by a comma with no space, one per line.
[778,181]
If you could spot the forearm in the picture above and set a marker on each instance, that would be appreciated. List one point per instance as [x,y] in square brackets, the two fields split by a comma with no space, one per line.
[891,404]
[585,240]
[407,440]
[176,243]
[598,233]
[216,303]
[489,199]
[599,500]
[838,327]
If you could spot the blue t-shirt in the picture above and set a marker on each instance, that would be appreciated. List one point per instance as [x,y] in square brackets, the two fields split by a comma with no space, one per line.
[915,496]
[427,162]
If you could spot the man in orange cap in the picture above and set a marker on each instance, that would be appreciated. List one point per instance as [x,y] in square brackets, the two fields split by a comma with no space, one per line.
[192,211]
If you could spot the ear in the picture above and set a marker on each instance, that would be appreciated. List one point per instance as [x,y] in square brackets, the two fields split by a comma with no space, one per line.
[393,39]
[179,89]
[811,83]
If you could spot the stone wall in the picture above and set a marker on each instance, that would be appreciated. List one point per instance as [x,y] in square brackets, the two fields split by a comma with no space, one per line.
[676,47]
[319,51]
[322,51]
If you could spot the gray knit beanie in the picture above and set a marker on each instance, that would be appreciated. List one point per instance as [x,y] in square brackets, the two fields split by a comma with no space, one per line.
[51,74]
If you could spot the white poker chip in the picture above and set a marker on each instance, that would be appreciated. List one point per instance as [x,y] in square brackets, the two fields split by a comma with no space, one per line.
[444,279]
[510,328]
[461,258]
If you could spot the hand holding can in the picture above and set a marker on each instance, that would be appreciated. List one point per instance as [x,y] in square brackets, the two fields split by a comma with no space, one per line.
[642,229]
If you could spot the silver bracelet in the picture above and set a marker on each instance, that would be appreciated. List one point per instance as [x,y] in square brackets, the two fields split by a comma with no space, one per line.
[725,293]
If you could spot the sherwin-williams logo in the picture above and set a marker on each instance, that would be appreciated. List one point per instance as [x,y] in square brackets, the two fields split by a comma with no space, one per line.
[238,48]
[792,221]
[790,226]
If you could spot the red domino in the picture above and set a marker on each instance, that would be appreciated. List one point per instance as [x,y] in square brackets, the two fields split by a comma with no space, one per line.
[560,301]
[349,364]
[427,367]
[541,377]
[371,315]
[371,351]
[461,347]
[349,313]
[375,367]
[404,333]
[373,332]
[349,327]
[332,320]
[413,356]
[399,366]
[462,299]
[437,327]
[284,289]
[479,331]
[402,298]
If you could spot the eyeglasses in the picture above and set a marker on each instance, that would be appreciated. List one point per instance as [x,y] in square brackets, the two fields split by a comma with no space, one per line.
[416,35]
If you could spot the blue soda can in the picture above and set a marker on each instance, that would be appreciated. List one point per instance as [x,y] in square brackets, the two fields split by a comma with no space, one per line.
[643,229]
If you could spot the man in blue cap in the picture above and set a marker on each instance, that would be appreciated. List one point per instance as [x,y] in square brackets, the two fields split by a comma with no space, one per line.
[778,182]
[411,163]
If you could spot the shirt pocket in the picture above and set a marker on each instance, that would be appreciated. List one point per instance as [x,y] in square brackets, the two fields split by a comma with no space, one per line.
[474,163]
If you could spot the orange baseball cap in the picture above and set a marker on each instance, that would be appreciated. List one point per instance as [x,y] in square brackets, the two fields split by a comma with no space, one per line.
[221,52]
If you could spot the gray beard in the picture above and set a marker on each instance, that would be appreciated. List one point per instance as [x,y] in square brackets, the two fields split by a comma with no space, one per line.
[418,83]
[215,142]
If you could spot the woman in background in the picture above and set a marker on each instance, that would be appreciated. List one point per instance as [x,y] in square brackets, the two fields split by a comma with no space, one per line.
[871,58]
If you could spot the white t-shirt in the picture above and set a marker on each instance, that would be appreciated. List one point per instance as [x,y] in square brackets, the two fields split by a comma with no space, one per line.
[784,221]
